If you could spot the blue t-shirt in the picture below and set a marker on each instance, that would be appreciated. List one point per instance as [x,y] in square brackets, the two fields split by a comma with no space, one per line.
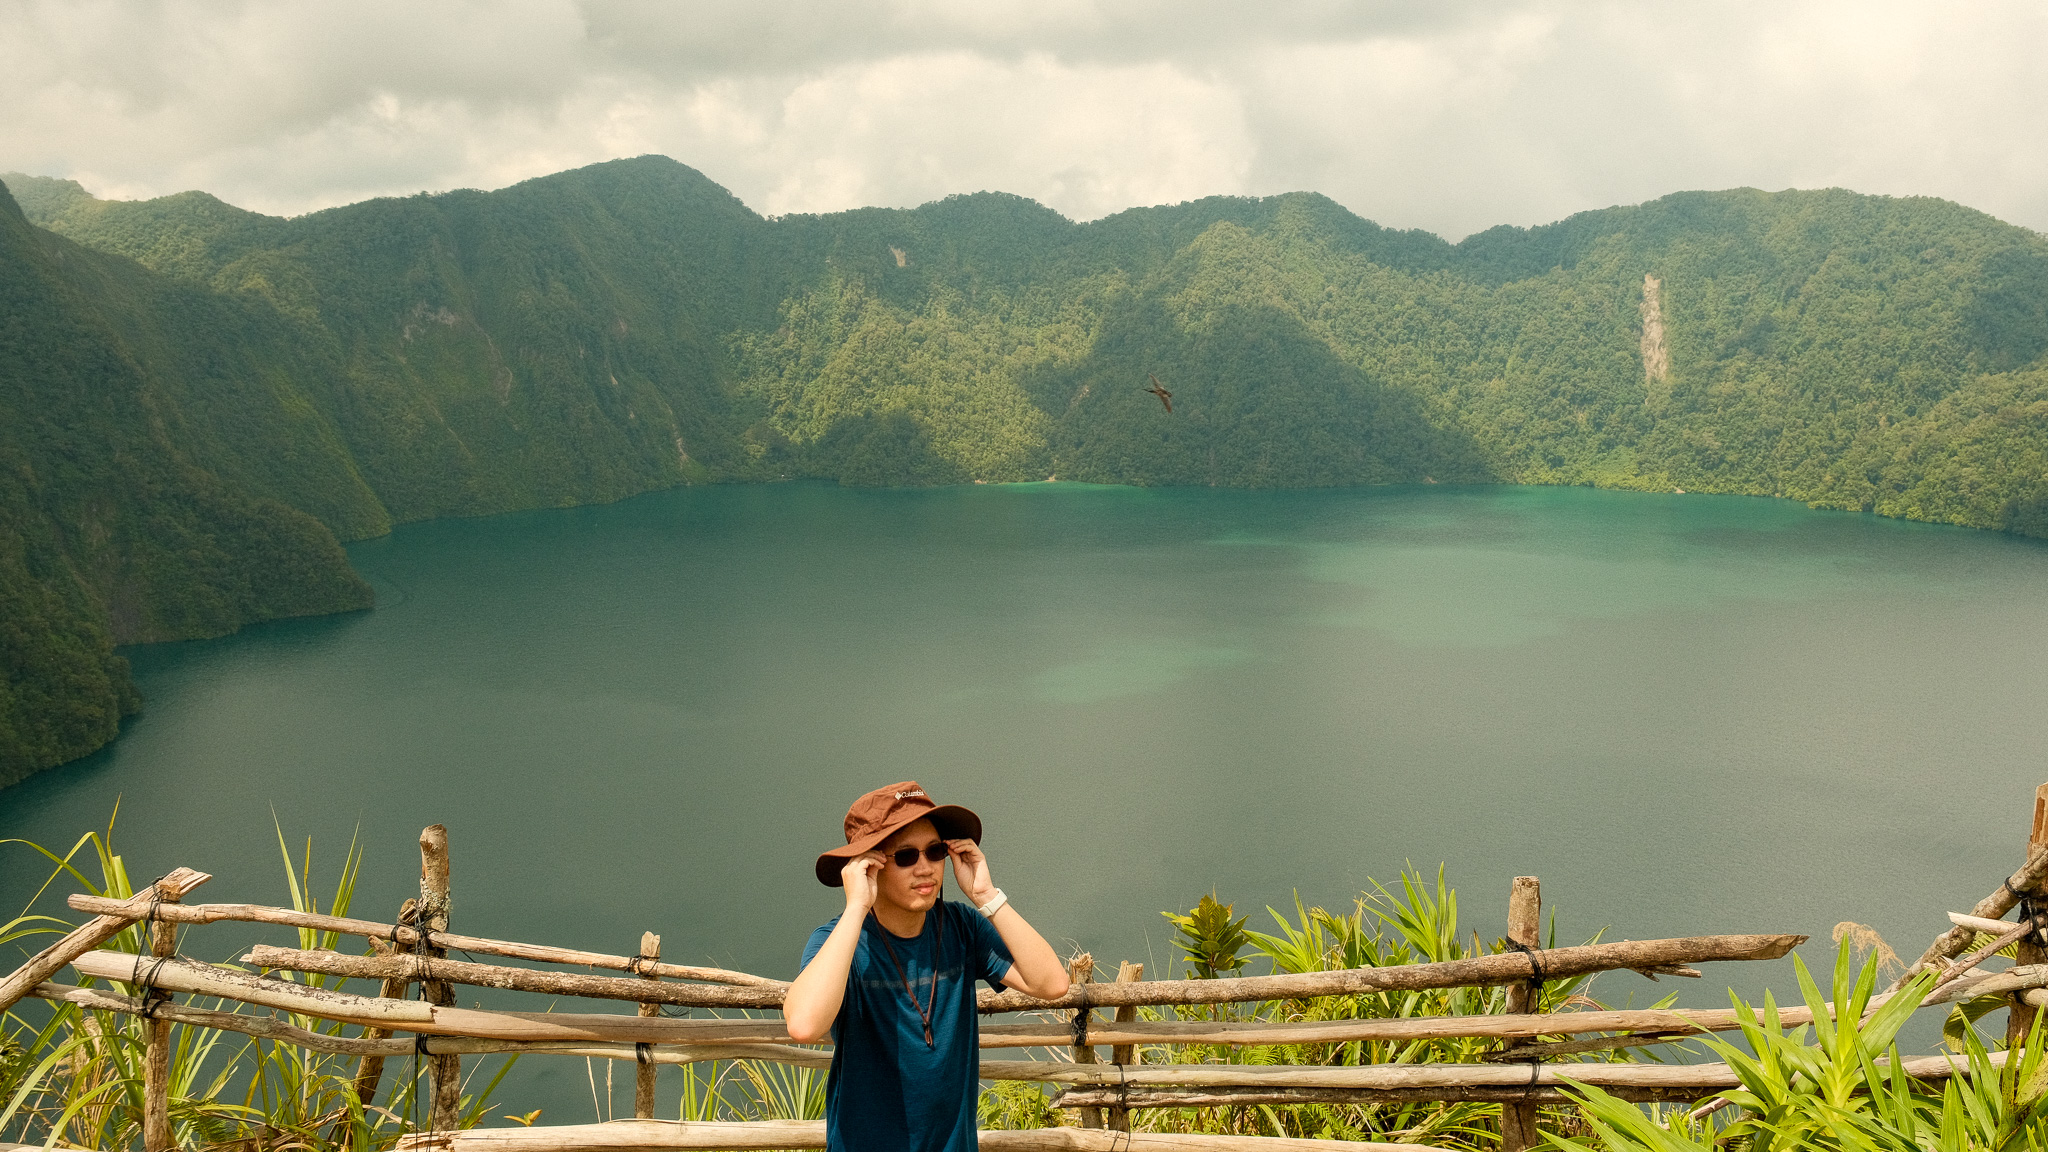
[889,1091]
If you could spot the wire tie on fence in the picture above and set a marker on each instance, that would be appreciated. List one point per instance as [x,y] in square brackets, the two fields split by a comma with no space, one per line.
[156,899]
[643,1053]
[2031,912]
[153,997]
[1081,1016]
[1536,977]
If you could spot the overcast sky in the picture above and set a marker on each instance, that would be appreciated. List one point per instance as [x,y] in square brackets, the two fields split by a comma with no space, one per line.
[1450,115]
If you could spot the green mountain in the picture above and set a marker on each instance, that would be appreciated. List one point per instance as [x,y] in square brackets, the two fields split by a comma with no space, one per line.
[197,402]
[151,450]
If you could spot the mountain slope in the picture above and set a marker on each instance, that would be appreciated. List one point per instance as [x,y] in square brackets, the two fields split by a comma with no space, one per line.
[631,326]
[119,389]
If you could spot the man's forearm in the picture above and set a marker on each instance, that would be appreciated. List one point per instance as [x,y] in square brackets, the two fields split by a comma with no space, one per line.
[814,997]
[1038,966]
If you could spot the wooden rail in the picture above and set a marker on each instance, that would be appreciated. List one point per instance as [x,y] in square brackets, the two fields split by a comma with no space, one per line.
[114,916]
[409,967]
[1364,1082]
[1387,1082]
[406,937]
[1479,971]
[705,1136]
[1476,972]
[2003,899]
[413,952]
[585,1028]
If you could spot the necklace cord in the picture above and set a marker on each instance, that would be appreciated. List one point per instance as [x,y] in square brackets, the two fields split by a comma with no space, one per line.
[924,1011]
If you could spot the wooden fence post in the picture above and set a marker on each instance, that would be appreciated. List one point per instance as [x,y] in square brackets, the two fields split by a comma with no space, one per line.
[2020,1019]
[435,900]
[156,1068]
[1081,970]
[370,1069]
[1525,928]
[1121,1054]
[643,1073]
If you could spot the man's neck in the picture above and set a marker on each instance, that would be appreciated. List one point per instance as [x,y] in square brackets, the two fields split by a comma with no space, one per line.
[898,920]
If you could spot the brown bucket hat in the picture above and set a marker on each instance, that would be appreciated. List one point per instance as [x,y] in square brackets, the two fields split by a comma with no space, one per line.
[877,815]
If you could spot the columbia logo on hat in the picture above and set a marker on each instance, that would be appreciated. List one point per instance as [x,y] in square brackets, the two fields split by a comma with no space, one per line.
[877,815]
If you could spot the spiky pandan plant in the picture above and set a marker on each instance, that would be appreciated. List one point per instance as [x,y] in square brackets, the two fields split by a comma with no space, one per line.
[1843,1089]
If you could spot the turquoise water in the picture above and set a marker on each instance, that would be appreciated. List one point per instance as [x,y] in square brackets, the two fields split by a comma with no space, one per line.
[1687,714]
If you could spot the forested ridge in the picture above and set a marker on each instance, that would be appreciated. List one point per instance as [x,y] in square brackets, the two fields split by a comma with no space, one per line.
[198,402]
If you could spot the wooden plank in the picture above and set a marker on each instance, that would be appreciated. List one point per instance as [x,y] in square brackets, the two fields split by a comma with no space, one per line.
[1980,923]
[116,915]
[1081,1140]
[207,980]
[1478,971]
[266,1027]
[271,1028]
[1505,968]
[406,936]
[626,1134]
[1146,1098]
[1704,1078]
[570,1027]
[1951,943]
[701,1136]
[1145,1086]
[1551,1090]
[1676,1021]
[406,965]
[1491,970]
[707,1039]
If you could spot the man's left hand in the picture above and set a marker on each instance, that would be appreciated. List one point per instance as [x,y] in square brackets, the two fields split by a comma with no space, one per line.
[970,868]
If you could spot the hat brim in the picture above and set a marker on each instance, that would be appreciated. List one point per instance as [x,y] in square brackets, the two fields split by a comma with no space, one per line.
[951,820]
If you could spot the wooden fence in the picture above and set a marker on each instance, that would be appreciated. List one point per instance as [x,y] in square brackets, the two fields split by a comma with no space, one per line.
[411,952]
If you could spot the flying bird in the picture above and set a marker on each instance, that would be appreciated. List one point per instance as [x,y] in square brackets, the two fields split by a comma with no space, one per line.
[1159,390]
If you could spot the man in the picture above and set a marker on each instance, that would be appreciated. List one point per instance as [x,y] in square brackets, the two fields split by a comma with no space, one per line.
[892,978]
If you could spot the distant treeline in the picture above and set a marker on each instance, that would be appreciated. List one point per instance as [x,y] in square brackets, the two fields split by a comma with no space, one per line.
[198,402]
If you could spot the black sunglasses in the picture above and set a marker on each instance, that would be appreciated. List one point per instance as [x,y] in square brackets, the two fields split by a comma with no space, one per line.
[905,857]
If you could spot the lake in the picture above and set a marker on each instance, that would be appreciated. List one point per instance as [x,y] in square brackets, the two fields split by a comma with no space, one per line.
[1687,714]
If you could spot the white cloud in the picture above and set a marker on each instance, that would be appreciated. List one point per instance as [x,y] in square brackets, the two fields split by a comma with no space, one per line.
[1451,116]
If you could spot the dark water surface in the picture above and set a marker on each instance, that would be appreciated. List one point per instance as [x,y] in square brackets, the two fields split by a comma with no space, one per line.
[1687,714]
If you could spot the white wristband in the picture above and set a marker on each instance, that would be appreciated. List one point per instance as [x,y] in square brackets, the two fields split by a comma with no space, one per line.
[994,905]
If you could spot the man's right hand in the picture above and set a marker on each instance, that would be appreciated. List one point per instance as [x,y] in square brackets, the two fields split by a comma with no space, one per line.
[859,879]
[816,995]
